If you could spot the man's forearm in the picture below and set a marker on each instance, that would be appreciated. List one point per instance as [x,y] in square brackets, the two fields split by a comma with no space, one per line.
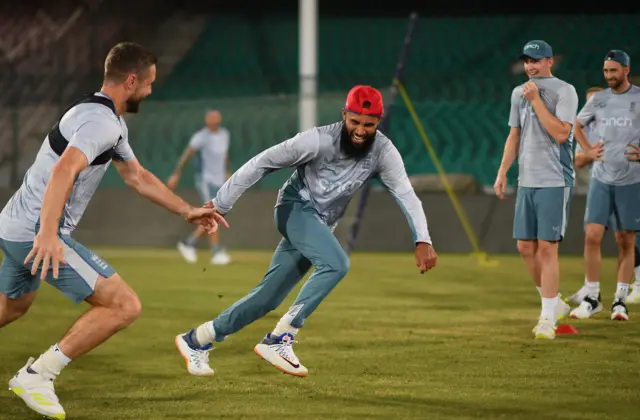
[554,126]
[581,137]
[509,155]
[151,188]
[55,196]
[186,155]
[582,160]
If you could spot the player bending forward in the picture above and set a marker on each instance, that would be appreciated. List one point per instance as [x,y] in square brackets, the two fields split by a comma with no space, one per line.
[543,111]
[332,163]
[36,224]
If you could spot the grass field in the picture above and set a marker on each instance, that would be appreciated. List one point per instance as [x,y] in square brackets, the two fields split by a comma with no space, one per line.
[387,343]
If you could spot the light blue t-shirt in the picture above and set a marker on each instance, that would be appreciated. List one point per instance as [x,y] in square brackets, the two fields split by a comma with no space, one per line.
[91,128]
[211,160]
[617,118]
[327,178]
[543,162]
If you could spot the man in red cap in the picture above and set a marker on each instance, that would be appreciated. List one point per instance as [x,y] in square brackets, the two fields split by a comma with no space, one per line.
[332,163]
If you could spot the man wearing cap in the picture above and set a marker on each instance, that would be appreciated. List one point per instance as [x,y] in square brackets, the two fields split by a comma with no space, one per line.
[543,111]
[615,183]
[331,164]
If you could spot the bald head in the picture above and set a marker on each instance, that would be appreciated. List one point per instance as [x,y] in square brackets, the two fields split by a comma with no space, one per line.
[213,119]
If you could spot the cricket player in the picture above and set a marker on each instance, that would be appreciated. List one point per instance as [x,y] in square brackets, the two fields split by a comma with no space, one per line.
[543,111]
[331,164]
[36,223]
[210,146]
[614,191]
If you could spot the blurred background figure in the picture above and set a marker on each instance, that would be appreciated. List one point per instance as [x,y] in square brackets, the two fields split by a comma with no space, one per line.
[210,146]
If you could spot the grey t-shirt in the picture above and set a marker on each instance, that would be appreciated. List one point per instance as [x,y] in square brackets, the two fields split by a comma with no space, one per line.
[543,162]
[211,159]
[617,118]
[328,179]
[91,128]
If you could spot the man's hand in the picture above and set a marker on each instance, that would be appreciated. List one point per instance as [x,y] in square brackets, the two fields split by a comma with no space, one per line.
[500,186]
[207,217]
[47,249]
[530,91]
[426,257]
[633,153]
[173,180]
[595,152]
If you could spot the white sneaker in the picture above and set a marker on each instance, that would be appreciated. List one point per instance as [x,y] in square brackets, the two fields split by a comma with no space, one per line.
[634,296]
[279,352]
[37,392]
[197,359]
[578,296]
[545,329]
[221,258]
[619,311]
[188,252]
[562,308]
[588,307]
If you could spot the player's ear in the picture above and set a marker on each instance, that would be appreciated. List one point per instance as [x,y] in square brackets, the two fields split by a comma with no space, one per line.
[130,81]
[344,115]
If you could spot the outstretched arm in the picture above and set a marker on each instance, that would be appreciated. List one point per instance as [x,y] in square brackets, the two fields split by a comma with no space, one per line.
[188,153]
[150,187]
[394,177]
[290,153]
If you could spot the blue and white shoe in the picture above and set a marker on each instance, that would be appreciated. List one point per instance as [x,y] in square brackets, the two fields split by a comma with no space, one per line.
[197,358]
[279,352]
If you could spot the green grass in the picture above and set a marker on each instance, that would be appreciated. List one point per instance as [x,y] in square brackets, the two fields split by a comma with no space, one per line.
[387,343]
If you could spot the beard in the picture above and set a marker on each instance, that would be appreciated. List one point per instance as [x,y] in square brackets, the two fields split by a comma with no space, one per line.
[351,149]
[614,83]
[133,105]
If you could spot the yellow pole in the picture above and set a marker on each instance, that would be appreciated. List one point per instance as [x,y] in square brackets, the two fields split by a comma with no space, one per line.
[482,256]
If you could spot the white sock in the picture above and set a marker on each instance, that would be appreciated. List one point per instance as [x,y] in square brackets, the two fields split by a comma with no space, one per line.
[593,289]
[637,272]
[539,290]
[586,281]
[51,362]
[283,326]
[621,291]
[205,334]
[549,307]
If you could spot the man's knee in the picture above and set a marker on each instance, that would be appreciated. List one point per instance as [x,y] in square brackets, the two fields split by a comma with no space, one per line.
[340,264]
[625,240]
[593,235]
[527,248]
[113,293]
[547,251]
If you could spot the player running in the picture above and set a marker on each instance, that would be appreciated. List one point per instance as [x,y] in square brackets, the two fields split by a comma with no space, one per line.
[615,185]
[543,111]
[36,223]
[210,145]
[331,164]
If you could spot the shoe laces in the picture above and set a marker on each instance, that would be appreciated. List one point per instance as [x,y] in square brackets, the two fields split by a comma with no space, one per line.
[200,358]
[285,349]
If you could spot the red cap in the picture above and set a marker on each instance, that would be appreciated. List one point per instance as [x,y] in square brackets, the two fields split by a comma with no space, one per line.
[365,100]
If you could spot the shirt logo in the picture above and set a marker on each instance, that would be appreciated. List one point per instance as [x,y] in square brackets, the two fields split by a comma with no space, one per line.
[621,122]
[632,107]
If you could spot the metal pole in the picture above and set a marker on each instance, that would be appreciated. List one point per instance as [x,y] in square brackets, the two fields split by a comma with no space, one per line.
[308,66]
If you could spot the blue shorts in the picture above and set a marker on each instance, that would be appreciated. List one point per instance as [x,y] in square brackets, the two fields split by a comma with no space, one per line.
[541,213]
[614,206]
[77,277]
[207,190]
